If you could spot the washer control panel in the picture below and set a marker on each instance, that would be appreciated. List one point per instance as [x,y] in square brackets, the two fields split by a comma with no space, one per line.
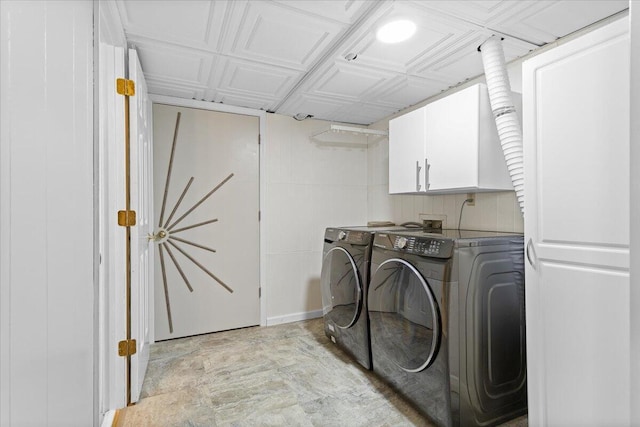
[425,246]
[354,237]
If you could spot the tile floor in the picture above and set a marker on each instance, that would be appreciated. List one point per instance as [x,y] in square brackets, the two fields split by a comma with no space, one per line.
[286,375]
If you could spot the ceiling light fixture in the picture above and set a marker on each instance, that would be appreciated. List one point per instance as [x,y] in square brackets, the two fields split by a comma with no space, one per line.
[350,56]
[396,31]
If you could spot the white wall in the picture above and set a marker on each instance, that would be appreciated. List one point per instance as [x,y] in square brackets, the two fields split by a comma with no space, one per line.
[634,20]
[47,286]
[492,211]
[310,186]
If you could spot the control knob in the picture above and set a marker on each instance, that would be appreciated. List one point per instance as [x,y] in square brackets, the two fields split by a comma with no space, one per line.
[342,235]
[402,242]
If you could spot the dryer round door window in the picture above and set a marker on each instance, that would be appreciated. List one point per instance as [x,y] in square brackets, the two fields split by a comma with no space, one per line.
[404,316]
[341,288]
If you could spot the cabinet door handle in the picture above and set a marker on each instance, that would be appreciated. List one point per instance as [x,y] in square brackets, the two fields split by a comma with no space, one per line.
[418,175]
[531,250]
[426,173]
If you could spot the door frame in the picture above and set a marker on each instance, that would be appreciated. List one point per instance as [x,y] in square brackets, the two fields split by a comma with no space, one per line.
[262,116]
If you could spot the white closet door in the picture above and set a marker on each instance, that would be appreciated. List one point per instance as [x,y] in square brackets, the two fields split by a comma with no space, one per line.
[207,273]
[140,116]
[112,242]
[576,141]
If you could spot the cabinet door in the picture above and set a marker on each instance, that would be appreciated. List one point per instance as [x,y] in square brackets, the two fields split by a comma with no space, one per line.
[452,141]
[406,153]
[576,141]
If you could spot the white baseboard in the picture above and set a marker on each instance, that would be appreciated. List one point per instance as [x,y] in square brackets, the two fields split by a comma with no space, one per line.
[295,317]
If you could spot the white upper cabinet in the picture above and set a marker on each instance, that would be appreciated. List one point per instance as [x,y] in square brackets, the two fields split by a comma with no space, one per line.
[448,146]
[463,148]
[407,153]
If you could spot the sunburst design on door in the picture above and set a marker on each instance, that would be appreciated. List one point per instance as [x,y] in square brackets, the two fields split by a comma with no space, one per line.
[166,237]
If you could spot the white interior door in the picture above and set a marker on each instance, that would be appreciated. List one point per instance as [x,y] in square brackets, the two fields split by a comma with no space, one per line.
[206,201]
[140,117]
[112,370]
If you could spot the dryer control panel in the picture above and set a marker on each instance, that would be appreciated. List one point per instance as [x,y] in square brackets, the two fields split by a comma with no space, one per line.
[423,246]
[426,246]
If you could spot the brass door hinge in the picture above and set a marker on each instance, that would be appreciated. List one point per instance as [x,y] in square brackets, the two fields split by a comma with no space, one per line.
[127,218]
[127,348]
[125,87]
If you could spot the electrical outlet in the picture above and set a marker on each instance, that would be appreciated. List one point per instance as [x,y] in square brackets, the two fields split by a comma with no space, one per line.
[472,199]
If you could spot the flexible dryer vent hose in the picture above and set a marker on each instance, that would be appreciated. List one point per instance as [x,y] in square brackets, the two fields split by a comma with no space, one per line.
[504,112]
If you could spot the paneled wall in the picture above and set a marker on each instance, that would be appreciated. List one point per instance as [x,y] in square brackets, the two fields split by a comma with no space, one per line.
[492,211]
[47,288]
[310,185]
[634,29]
